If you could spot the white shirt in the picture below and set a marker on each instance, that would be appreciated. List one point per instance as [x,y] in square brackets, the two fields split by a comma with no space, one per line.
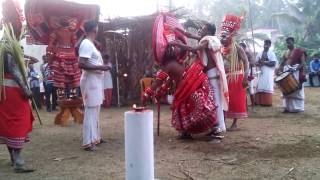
[91,82]
[266,82]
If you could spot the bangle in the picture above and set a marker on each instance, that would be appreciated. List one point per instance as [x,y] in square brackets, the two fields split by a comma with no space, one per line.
[148,92]
[162,75]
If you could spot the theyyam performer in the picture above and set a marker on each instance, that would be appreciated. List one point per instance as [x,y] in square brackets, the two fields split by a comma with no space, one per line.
[237,68]
[15,111]
[193,108]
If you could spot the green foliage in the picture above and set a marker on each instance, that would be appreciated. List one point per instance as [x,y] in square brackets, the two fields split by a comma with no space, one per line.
[312,47]
[280,48]
[10,44]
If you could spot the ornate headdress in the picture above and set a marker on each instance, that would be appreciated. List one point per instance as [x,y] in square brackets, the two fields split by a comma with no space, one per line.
[12,13]
[231,24]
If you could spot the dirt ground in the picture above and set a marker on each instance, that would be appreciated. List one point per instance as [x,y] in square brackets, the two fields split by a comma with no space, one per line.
[269,145]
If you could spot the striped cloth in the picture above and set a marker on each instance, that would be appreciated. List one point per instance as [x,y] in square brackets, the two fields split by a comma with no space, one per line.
[48,79]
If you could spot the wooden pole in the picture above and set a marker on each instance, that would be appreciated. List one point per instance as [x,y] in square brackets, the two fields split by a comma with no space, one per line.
[117,69]
[254,47]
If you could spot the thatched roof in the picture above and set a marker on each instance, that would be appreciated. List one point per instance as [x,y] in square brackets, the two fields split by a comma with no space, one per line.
[129,40]
[129,22]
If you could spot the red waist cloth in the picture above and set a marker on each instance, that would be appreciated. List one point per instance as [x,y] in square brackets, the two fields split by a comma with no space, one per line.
[295,57]
[237,98]
[194,109]
[15,117]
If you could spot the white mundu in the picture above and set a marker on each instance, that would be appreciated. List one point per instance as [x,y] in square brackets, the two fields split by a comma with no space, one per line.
[91,84]
[217,78]
[266,82]
[294,102]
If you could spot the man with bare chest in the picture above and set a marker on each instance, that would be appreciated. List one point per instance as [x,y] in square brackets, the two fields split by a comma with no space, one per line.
[237,68]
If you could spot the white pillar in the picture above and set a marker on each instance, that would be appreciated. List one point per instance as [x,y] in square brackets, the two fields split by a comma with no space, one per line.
[139,154]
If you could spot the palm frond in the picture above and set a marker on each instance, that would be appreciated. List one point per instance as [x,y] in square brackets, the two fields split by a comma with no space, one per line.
[11,45]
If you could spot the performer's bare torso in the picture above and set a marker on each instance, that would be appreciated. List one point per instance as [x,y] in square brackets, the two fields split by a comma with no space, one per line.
[174,69]
[64,38]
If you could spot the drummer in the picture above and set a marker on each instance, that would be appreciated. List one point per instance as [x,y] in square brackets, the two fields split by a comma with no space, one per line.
[294,60]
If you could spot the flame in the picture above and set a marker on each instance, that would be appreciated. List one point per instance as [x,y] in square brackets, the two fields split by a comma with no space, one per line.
[125,75]
[134,106]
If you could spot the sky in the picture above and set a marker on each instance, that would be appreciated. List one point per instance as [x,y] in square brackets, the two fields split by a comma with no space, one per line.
[124,8]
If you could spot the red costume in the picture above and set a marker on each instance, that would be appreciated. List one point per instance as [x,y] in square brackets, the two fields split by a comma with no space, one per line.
[58,24]
[237,93]
[15,115]
[65,62]
[193,109]
[237,99]
[15,112]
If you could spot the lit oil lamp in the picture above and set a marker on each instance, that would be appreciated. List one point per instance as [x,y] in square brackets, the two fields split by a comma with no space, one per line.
[138,108]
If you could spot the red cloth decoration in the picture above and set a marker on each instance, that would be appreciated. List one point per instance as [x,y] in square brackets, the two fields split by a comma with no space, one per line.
[43,16]
[162,75]
[163,32]
[15,117]
[12,13]
[295,57]
[194,109]
[237,99]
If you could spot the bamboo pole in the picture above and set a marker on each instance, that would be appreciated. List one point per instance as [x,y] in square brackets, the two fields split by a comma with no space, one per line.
[117,69]
[254,48]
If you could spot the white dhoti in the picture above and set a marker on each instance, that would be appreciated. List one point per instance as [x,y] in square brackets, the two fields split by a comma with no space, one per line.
[266,82]
[254,81]
[91,84]
[214,81]
[91,126]
[294,102]
[92,93]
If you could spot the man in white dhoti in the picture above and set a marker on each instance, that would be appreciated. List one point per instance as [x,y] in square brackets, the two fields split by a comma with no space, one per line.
[209,52]
[91,84]
[294,60]
[267,61]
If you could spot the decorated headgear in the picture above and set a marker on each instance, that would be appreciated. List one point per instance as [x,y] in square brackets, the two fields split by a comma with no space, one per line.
[231,24]
[12,13]
[163,32]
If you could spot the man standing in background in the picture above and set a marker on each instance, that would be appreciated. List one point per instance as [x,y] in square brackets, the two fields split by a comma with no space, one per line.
[267,61]
[35,84]
[91,84]
[314,69]
[50,90]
